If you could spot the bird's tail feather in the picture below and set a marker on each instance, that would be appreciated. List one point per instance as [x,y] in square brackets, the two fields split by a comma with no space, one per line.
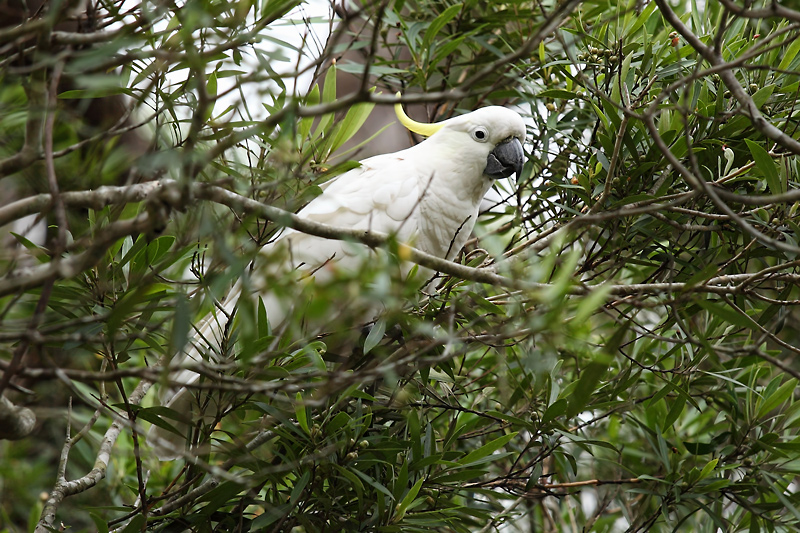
[209,337]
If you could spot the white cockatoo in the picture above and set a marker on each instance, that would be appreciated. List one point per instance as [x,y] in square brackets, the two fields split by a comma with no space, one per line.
[427,196]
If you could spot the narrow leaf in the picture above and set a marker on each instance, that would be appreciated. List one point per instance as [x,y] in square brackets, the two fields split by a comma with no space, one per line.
[778,397]
[767,166]
[352,122]
[789,56]
[710,466]
[726,314]
[487,449]
[300,412]
[412,493]
[590,377]
[375,336]
[439,22]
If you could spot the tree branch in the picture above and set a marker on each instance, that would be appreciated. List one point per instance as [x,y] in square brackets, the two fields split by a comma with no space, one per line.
[167,190]
[63,488]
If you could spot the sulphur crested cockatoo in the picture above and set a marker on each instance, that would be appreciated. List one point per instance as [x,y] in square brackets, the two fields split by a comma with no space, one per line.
[428,196]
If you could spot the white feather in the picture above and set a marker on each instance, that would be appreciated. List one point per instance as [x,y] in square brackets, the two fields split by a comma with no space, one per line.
[427,196]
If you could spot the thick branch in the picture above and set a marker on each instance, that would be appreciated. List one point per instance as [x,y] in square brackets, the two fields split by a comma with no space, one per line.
[772,9]
[168,191]
[96,199]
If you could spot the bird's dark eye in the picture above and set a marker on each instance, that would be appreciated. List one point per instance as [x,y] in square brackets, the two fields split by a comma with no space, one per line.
[480,134]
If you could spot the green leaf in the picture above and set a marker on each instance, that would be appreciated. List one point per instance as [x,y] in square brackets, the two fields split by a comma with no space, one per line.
[790,55]
[38,252]
[784,500]
[401,481]
[778,397]
[554,410]
[710,466]
[486,449]
[33,518]
[211,91]
[438,23]
[220,495]
[375,335]
[590,303]
[407,500]
[352,478]
[767,166]
[372,483]
[461,475]
[602,116]
[156,415]
[99,523]
[713,486]
[726,314]
[699,448]
[558,93]
[443,50]
[135,525]
[181,324]
[328,96]
[264,329]
[299,487]
[300,412]
[585,388]
[640,20]
[347,165]
[702,275]
[312,98]
[84,94]
[351,67]
[355,118]
[761,96]
[674,412]
[666,389]
[425,462]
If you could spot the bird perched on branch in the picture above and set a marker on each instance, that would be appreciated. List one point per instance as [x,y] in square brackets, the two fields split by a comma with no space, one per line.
[427,196]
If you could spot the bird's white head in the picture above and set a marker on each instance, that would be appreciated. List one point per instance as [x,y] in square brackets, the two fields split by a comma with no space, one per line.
[492,134]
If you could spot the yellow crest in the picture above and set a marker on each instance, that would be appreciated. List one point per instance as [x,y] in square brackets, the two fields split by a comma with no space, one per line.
[412,125]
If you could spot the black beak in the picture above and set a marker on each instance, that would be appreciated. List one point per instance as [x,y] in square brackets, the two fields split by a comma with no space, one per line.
[506,159]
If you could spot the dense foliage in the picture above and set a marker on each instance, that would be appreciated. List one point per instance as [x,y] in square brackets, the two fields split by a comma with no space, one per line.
[619,355]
